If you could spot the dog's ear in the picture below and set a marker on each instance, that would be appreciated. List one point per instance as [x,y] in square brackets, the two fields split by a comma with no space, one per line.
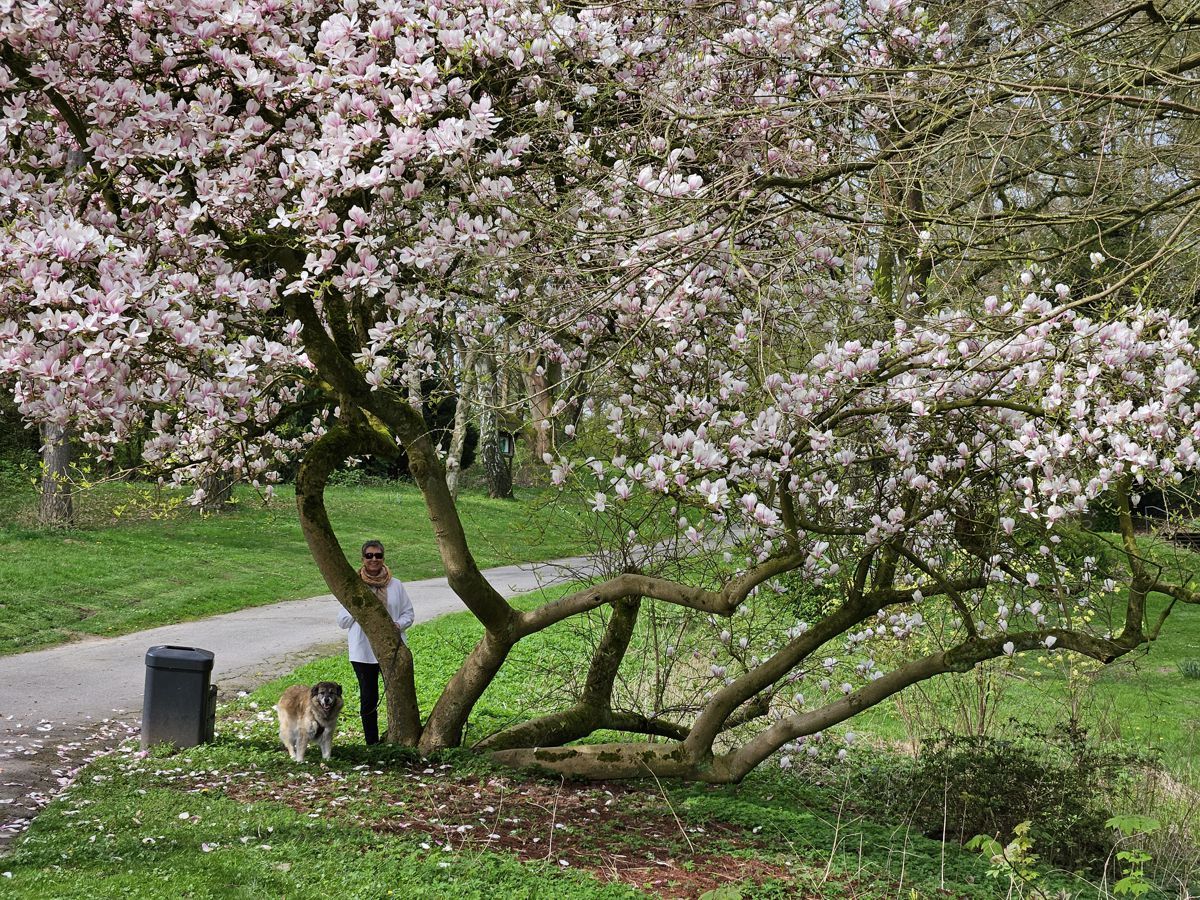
[339,688]
[315,689]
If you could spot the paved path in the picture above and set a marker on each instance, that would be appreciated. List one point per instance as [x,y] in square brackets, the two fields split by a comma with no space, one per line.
[76,694]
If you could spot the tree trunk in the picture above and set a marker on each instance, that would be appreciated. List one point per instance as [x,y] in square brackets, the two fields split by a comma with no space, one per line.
[56,509]
[403,713]
[412,379]
[601,761]
[539,385]
[449,717]
[497,466]
[218,491]
[462,415]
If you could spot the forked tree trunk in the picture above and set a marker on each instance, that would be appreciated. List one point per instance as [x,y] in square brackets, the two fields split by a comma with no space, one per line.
[688,753]
[56,508]
[594,709]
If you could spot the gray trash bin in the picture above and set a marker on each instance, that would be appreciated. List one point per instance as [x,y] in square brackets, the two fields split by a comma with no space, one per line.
[179,705]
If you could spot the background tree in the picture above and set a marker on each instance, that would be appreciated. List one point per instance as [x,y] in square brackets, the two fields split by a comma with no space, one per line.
[56,507]
[491,387]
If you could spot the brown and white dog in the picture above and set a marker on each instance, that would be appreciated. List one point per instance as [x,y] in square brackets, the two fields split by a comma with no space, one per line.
[307,714]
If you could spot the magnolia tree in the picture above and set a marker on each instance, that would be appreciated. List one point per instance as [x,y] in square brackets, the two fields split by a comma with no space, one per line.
[243,233]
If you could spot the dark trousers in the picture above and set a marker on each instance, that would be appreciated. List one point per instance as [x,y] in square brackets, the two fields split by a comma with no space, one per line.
[368,692]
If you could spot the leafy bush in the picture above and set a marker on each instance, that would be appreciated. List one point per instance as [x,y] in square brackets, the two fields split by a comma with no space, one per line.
[18,467]
[347,476]
[808,602]
[16,440]
[1061,784]
[1189,668]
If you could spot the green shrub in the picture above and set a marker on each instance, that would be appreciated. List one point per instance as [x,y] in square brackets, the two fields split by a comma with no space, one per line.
[1062,785]
[1189,668]
[18,467]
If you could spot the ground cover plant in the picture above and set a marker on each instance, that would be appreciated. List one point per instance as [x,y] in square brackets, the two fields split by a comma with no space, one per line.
[163,561]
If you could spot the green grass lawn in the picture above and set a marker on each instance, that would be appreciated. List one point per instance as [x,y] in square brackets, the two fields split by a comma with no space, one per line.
[238,819]
[135,571]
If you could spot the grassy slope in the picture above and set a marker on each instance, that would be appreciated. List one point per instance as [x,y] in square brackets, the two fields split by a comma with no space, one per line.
[138,574]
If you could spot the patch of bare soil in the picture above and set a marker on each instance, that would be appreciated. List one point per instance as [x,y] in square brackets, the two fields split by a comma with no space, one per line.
[617,832]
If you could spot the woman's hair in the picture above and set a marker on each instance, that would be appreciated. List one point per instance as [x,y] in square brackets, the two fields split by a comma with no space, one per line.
[369,544]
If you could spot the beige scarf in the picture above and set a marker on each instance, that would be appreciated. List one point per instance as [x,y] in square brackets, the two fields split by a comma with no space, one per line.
[378,583]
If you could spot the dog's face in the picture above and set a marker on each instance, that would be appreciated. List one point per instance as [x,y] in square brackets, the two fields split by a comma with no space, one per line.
[327,697]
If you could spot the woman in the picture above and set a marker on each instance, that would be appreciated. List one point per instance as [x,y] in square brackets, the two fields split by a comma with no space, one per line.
[366,667]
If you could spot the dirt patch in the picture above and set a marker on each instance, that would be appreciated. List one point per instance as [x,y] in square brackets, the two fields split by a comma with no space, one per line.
[616,832]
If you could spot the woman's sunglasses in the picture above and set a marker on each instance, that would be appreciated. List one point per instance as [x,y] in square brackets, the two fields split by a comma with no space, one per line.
[372,556]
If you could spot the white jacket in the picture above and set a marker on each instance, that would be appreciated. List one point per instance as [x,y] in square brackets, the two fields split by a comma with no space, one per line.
[399,607]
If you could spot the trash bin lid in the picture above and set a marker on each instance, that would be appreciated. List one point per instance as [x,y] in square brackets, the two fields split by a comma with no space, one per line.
[168,656]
